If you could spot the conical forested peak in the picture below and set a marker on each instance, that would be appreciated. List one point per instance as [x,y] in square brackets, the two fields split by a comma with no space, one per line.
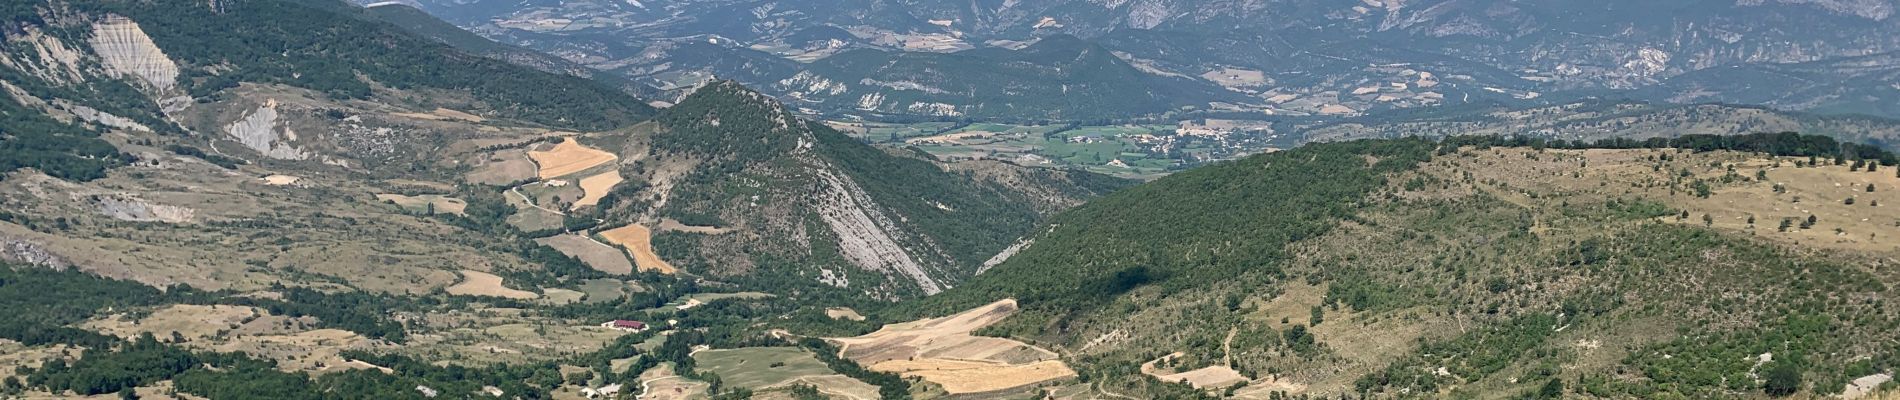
[730,121]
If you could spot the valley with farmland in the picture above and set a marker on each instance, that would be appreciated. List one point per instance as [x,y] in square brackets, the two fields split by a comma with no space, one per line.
[274,199]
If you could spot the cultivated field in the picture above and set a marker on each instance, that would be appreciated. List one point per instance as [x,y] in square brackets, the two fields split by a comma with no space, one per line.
[423,203]
[568,157]
[638,240]
[763,367]
[597,255]
[501,168]
[477,283]
[595,187]
[943,351]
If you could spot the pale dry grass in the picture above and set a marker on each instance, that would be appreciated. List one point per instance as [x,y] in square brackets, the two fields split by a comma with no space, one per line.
[842,386]
[477,283]
[502,167]
[442,204]
[569,157]
[443,114]
[1818,191]
[14,355]
[288,341]
[670,225]
[596,187]
[281,180]
[638,240]
[596,255]
[1821,191]
[1218,376]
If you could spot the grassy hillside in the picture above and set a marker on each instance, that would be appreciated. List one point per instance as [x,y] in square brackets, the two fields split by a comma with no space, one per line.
[1473,272]
[1187,231]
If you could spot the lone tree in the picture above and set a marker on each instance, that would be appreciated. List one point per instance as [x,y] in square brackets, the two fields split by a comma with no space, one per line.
[1783,379]
[1552,390]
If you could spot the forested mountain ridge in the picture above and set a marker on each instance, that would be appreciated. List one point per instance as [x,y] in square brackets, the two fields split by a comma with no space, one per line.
[425,25]
[1287,57]
[888,222]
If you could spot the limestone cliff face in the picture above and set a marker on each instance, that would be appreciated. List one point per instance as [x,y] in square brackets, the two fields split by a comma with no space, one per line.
[127,51]
[866,236]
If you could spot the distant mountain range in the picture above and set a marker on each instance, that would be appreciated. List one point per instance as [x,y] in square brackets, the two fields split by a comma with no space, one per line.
[1281,57]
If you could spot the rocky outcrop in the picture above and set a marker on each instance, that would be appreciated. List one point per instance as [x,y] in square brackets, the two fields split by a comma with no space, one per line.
[103,118]
[127,51]
[131,208]
[1004,255]
[259,131]
[31,253]
[43,56]
[865,236]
